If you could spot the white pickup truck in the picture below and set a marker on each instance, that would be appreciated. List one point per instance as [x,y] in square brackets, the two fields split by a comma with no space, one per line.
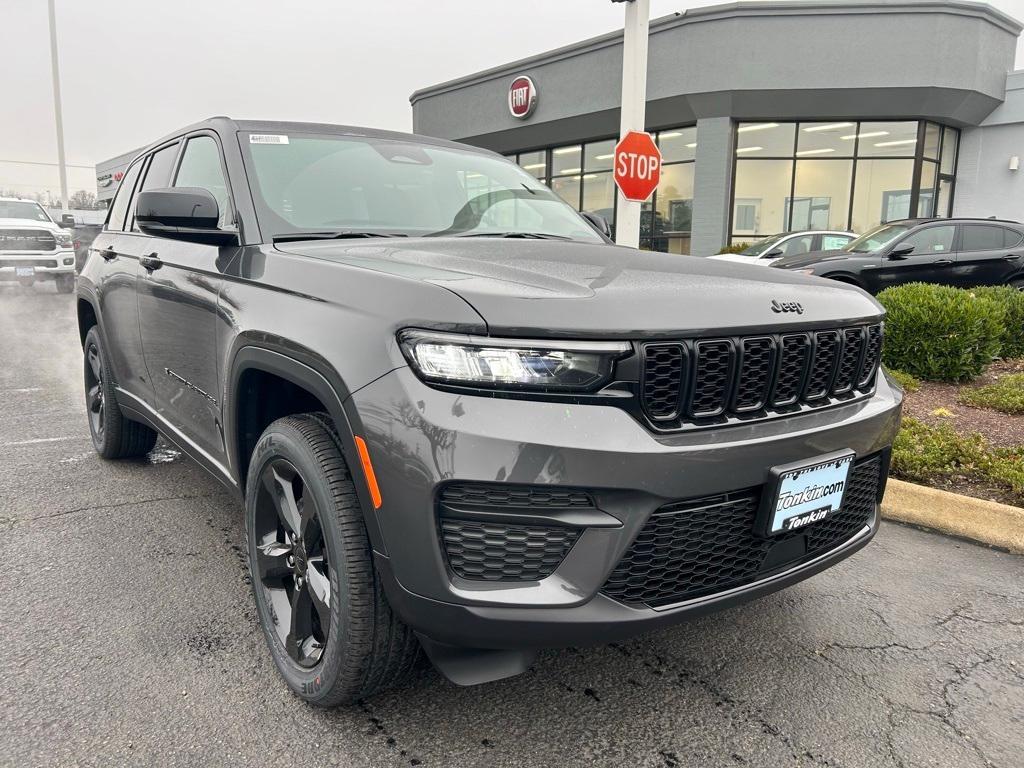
[33,247]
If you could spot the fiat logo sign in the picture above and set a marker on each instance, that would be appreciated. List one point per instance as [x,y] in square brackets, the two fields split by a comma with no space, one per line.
[522,97]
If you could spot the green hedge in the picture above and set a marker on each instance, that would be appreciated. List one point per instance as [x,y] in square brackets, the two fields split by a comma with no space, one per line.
[735,248]
[941,333]
[1013,326]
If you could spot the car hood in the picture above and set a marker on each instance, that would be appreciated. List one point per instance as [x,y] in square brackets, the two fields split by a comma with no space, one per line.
[29,224]
[555,288]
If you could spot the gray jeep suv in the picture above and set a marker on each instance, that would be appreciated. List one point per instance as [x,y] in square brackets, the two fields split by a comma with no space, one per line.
[458,417]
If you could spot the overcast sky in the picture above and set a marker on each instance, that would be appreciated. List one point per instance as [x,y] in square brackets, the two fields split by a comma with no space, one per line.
[133,70]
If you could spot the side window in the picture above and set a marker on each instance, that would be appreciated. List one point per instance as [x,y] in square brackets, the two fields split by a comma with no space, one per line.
[980,237]
[200,167]
[158,175]
[797,245]
[931,240]
[115,219]
[834,242]
[1011,238]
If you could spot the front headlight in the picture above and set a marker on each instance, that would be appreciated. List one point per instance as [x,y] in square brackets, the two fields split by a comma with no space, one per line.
[64,239]
[516,364]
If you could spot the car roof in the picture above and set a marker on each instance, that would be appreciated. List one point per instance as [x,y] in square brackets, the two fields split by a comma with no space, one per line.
[953,219]
[224,125]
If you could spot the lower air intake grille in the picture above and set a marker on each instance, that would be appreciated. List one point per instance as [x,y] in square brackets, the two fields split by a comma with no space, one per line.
[486,551]
[703,546]
[500,495]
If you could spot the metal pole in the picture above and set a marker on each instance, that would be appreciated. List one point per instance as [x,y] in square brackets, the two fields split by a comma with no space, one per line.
[634,104]
[57,108]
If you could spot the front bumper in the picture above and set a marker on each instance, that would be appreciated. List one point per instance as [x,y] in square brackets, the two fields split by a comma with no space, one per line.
[421,438]
[45,264]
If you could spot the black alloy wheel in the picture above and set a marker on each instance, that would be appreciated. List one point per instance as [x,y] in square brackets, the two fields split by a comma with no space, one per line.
[293,562]
[94,389]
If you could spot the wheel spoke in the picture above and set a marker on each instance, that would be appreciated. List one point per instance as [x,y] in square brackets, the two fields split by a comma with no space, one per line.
[282,491]
[94,362]
[301,628]
[319,585]
[95,398]
[272,563]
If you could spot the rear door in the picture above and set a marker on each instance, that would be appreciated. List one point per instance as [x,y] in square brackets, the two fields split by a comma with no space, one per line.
[178,289]
[932,260]
[113,275]
[988,255]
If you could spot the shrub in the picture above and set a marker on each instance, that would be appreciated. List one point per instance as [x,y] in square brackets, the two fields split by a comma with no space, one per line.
[923,452]
[1013,327]
[905,380]
[735,248]
[1006,395]
[940,333]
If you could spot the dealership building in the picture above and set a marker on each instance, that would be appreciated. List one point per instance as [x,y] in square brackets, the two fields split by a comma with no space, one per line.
[770,117]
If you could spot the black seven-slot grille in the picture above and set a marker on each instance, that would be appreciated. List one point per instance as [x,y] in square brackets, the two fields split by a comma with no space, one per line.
[702,546]
[690,382]
[484,549]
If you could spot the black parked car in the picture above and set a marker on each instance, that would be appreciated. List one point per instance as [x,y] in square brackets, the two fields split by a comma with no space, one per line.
[964,253]
[460,418]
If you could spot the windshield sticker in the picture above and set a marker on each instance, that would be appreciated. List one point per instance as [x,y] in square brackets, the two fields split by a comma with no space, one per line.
[267,138]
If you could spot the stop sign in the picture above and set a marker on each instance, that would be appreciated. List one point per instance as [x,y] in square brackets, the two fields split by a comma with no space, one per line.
[637,166]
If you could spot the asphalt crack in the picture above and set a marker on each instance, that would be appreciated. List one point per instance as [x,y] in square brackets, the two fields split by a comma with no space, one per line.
[99,507]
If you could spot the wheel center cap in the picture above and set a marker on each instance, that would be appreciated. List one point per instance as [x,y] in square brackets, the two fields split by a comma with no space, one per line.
[300,559]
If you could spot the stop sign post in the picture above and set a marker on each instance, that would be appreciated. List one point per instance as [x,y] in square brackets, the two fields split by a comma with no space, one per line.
[637,166]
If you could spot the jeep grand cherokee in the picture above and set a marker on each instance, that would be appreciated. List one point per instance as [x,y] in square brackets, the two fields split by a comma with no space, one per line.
[459,418]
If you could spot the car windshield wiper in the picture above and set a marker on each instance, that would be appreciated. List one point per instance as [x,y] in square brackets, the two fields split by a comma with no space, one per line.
[521,235]
[290,237]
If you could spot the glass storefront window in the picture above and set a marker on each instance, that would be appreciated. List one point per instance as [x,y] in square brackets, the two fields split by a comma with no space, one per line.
[599,194]
[932,137]
[566,160]
[673,213]
[926,197]
[765,139]
[894,139]
[568,188]
[678,144]
[821,194]
[882,192]
[945,197]
[598,155]
[534,163]
[825,139]
[949,140]
[762,192]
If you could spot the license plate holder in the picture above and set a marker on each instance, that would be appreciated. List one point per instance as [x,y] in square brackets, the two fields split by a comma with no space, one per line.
[24,271]
[804,492]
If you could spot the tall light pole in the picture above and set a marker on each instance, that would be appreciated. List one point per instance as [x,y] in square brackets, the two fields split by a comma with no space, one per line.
[634,105]
[61,162]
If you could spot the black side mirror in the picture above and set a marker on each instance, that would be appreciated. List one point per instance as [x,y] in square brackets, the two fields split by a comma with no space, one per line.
[67,221]
[901,252]
[774,253]
[182,213]
[598,222]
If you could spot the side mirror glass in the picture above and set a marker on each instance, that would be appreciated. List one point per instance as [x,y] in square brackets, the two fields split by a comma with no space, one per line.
[598,222]
[182,213]
[901,251]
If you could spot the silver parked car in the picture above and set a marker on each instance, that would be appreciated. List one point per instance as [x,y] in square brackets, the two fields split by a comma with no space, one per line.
[766,251]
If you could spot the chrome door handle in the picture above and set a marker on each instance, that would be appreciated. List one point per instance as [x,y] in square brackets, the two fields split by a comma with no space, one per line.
[942,262]
[1011,257]
[150,262]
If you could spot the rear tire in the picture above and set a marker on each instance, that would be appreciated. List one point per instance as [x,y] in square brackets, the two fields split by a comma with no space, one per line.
[65,283]
[1017,283]
[113,435]
[321,604]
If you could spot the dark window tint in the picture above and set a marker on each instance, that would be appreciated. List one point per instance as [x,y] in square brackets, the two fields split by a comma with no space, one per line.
[931,240]
[200,167]
[115,220]
[158,175]
[981,237]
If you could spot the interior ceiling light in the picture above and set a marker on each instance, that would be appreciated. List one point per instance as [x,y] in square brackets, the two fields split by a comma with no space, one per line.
[749,149]
[814,152]
[756,127]
[899,143]
[868,135]
[827,127]
[567,150]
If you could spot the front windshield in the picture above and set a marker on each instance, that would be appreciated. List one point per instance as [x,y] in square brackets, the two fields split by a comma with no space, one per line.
[348,184]
[23,209]
[761,246]
[877,238]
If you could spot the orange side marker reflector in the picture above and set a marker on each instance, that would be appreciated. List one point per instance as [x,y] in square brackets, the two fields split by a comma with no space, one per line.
[371,478]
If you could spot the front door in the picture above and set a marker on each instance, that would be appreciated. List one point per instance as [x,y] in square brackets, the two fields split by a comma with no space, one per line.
[931,261]
[179,284]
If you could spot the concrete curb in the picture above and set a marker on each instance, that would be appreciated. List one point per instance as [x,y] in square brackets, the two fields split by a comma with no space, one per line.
[986,521]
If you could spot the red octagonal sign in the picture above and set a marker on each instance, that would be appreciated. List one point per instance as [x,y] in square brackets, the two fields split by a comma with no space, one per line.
[637,166]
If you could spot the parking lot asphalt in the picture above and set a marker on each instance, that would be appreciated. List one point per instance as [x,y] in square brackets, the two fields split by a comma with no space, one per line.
[128,636]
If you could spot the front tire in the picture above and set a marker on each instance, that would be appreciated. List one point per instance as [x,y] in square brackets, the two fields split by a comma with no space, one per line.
[320,602]
[1018,283]
[113,435]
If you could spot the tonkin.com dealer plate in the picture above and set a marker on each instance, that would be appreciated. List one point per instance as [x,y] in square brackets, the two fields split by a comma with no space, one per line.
[804,493]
